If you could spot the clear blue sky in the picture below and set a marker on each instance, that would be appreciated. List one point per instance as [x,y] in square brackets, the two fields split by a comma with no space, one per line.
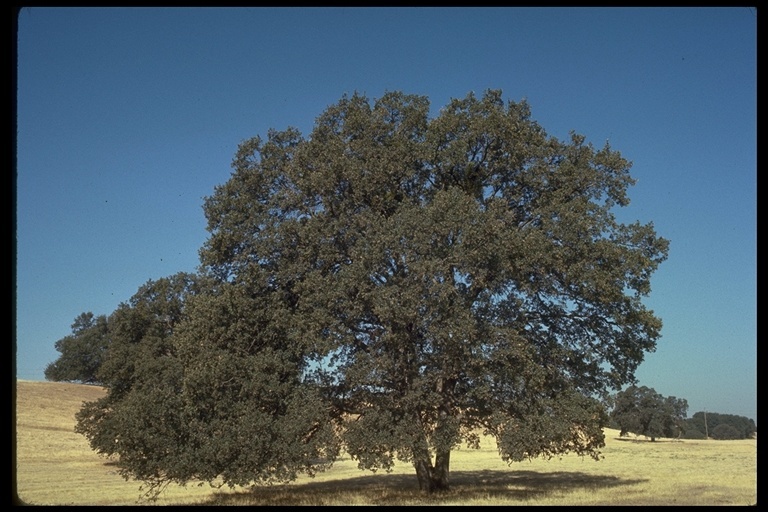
[128,117]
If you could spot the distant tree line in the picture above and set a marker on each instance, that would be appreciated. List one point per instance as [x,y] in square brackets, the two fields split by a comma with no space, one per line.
[719,426]
[643,411]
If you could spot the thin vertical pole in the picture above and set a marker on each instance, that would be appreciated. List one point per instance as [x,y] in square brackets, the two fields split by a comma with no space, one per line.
[706,430]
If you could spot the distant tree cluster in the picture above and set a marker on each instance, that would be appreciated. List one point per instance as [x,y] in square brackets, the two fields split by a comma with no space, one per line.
[643,411]
[82,352]
[102,348]
[719,426]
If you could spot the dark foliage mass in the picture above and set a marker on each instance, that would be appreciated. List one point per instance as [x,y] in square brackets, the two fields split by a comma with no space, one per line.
[643,411]
[392,284]
[82,352]
[725,431]
[705,424]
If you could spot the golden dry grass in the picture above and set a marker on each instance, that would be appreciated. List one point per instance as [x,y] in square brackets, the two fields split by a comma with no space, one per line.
[55,466]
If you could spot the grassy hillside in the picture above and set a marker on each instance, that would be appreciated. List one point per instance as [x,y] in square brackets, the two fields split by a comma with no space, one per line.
[55,466]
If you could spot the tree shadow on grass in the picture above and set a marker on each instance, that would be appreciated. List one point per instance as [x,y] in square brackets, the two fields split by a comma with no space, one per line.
[466,486]
[644,439]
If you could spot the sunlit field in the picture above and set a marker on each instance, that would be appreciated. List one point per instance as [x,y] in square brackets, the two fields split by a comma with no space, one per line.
[55,466]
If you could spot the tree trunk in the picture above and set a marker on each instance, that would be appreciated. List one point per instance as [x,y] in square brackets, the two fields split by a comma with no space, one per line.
[433,478]
[424,474]
[440,473]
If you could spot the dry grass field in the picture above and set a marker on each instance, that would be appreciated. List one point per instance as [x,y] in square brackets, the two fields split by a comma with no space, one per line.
[54,466]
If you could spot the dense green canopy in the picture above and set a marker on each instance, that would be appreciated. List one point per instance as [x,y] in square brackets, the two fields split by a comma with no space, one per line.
[643,411]
[82,352]
[396,284]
